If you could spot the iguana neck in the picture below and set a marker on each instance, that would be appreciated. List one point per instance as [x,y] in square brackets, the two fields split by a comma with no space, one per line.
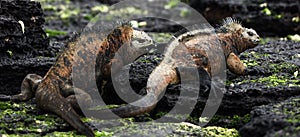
[230,44]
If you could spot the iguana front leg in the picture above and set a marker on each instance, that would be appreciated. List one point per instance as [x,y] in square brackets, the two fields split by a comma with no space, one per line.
[68,91]
[28,88]
[235,65]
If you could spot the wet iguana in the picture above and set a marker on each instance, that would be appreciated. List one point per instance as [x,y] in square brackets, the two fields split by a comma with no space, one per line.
[54,92]
[231,36]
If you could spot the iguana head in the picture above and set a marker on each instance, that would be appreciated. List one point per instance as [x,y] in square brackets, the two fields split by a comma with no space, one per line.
[245,38]
[141,39]
[138,39]
[250,35]
[127,34]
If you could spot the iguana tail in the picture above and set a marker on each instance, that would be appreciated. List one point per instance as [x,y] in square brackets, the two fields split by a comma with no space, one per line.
[28,88]
[159,79]
[4,97]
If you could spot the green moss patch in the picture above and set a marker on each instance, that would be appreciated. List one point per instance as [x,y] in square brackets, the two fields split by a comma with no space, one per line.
[234,121]
[161,37]
[273,81]
[52,33]
[220,132]
[21,118]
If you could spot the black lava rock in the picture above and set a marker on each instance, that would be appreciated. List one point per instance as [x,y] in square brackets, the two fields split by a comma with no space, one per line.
[276,119]
[24,46]
[16,39]
[267,17]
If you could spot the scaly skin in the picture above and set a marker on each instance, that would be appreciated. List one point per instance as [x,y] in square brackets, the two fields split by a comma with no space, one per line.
[55,92]
[231,36]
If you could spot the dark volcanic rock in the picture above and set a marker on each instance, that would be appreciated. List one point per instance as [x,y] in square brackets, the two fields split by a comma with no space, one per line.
[14,71]
[272,79]
[134,75]
[277,119]
[33,41]
[161,129]
[268,17]
[25,49]
[110,2]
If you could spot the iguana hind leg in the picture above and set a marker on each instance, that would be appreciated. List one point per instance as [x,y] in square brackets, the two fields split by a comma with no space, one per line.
[80,97]
[28,87]
[48,98]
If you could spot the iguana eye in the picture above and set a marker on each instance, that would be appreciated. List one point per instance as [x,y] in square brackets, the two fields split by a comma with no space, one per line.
[250,33]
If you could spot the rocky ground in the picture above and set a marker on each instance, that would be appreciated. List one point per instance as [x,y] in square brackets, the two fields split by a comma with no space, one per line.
[265,102]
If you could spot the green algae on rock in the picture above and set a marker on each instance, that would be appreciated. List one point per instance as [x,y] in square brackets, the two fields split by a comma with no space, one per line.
[25,118]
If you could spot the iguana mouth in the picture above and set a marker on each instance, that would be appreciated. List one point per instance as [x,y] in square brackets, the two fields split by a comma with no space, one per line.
[256,41]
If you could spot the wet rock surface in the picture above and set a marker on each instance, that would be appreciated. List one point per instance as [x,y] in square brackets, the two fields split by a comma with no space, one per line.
[271,77]
[26,118]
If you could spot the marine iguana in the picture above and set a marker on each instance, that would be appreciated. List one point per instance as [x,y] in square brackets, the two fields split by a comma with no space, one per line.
[55,93]
[231,36]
